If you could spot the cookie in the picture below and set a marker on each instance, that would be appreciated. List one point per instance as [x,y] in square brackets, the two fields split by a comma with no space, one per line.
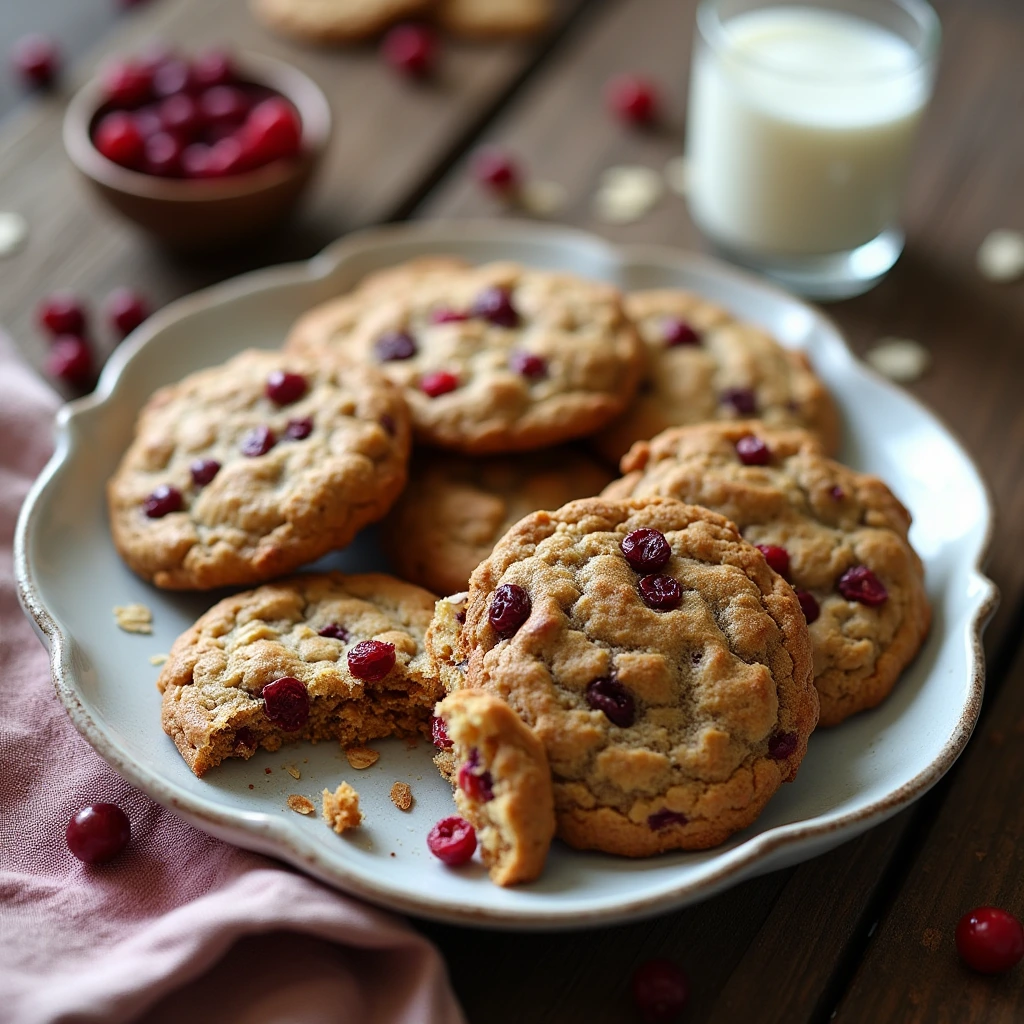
[248,470]
[489,18]
[502,783]
[840,538]
[497,358]
[316,657]
[706,365]
[334,21]
[665,667]
[454,509]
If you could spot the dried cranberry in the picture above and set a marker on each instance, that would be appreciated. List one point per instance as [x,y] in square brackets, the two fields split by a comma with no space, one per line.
[439,734]
[393,345]
[990,940]
[527,364]
[611,697]
[299,429]
[633,98]
[452,840]
[388,423]
[98,833]
[664,818]
[334,632]
[861,584]
[126,309]
[837,493]
[410,49]
[257,442]
[70,360]
[36,59]
[495,306]
[286,703]
[477,785]
[510,608]
[245,739]
[62,313]
[438,383]
[661,592]
[660,991]
[776,557]
[283,387]
[371,659]
[808,605]
[782,745]
[752,451]
[646,550]
[742,400]
[496,170]
[163,501]
[679,332]
[444,315]
[203,471]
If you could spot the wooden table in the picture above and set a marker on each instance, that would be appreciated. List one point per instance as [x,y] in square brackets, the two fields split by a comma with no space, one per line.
[861,934]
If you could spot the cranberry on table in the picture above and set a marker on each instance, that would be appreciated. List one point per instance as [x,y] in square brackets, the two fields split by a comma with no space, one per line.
[213,67]
[752,451]
[203,471]
[257,442]
[990,940]
[611,697]
[452,840]
[125,309]
[98,833]
[36,59]
[299,429]
[162,502]
[62,313]
[808,605]
[410,49]
[646,550]
[660,991]
[126,84]
[633,98]
[496,171]
[439,383]
[286,703]
[162,155]
[70,360]
[776,557]
[528,365]
[283,387]
[495,306]
[439,734]
[510,608]
[118,138]
[662,593]
[861,584]
[272,131]
[371,659]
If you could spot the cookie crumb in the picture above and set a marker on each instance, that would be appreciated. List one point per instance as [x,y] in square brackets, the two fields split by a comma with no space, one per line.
[361,757]
[542,198]
[980,855]
[341,808]
[293,771]
[627,194]
[401,795]
[931,939]
[301,804]
[1001,256]
[157,659]
[268,771]
[133,618]
[251,786]
[677,175]
[899,359]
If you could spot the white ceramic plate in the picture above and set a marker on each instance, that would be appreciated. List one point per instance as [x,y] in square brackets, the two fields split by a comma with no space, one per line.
[854,776]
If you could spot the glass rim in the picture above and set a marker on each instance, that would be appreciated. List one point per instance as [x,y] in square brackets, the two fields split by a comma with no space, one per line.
[712,30]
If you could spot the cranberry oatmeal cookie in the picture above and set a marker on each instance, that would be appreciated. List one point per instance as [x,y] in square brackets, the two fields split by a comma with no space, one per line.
[705,365]
[502,782]
[454,509]
[663,664]
[334,21]
[497,358]
[839,536]
[316,657]
[488,18]
[248,470]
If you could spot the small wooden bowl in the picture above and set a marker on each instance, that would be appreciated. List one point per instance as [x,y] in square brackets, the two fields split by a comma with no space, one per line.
[198,214]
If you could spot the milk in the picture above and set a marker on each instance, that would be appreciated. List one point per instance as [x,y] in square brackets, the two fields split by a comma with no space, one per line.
[800,130]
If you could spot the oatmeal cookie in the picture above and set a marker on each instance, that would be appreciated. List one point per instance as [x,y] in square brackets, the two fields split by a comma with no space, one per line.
[663,664]
[248,470]
[454,509]
[487,18]
[839,536]
[705,365]
[334,21]
[502,783]
[497,358]
[316,657]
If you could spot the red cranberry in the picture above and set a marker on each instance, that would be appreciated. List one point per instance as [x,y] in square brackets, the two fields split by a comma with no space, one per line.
[203,471]
[452,840]
[371,659]
[743,400]
[664,818]
[388,423]
[213,67]
[272,131]
[510,608]
[861,584]
[660,991]
[633,98]
[245,739]
[477,785]
[125,310]
[224,104]
[528,365]
[495,306]
[990,940]
[662,593]
[35,58]
[410,49]
[126,84]
[98,833]
[444,315]
[646,550]
[334,632]
[439,734]
[496,171]
[147,120]
[118,139]
[171,76]
[179,114]
[162,155]
[837,493]
[752,451]
[195,160]
[283,387]
[163,501]
[611,697]
[299,429]
[808,605]
[679,332]
[257,442]
[286,703]
[438,383]
[782,745]
[393,345]
[62,313]
[227,156]
[70,360]
[776,557]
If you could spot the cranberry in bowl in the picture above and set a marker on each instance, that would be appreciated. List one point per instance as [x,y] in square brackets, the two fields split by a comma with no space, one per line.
[198,163]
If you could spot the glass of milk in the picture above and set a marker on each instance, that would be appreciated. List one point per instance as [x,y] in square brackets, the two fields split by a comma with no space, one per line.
[801,124]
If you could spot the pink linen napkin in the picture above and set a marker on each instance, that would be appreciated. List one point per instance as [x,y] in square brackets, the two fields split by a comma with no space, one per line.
[181,925]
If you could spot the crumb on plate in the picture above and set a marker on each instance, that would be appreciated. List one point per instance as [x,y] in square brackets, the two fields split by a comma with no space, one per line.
[293,771]
[401,795]
[361,757]
[133,618]
[157,659]
[341,808]
[300,804]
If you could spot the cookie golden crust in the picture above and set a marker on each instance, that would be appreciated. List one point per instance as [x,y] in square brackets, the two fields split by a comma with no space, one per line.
[830,520]
[490,18]
[502,784]
[705,365]
[454,509]
[216,684]
[334,21]
[259,515]
[497,358]
[664,728]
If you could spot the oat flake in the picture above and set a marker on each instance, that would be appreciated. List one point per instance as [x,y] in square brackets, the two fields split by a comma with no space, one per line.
[626,194]
[900,359]
[361,757]
[542,198]
[157,659]
[401,795]
[300,804]
[133,618]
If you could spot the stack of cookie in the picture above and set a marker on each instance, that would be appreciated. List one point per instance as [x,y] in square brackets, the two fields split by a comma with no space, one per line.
[633,664]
